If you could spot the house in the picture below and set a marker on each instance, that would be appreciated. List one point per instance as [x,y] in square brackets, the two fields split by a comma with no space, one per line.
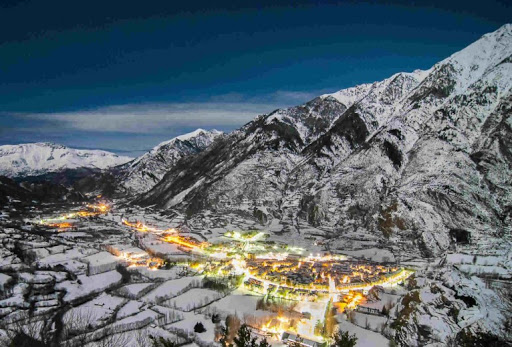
[293,339]
[369,310]
[100,262]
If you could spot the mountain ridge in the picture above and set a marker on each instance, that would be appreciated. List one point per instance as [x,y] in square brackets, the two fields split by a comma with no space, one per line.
[32,159]
[142,173]
[357,163]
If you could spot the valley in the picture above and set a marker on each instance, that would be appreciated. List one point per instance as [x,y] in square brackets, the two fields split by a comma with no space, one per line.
[132,273]
[86,256]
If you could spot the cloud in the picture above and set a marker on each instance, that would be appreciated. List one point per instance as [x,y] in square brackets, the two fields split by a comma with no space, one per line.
[132,128]
[296,96]
[284,98]
[226,112]
[154,118]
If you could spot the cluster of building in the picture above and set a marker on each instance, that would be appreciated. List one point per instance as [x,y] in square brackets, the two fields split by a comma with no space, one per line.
[144,228]
[329,275]
[134,256]
[187,242]
[67,222]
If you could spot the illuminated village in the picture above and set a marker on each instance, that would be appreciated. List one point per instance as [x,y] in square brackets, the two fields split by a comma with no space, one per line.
[297,289]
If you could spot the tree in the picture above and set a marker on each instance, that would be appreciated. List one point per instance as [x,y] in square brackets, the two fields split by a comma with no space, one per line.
[215,318]
[224,337]
[26,333]
[142,338]
[232,326]
[244,338]
[162,342]
[199,328]
[466,338]
[344,340]
[76,324]
[23,340]
[264,343]
[293,325]
[319,328]
[113,338]
[330,320]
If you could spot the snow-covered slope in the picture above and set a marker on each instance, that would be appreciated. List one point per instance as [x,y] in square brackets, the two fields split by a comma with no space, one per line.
[32,159]
[143,173]
[416,155]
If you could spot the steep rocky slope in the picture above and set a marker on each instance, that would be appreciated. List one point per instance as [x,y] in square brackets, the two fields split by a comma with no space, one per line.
[141,174]
[417,156]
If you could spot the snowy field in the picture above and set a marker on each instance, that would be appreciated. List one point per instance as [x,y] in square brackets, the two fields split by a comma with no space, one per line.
[87,285]
[365,338]
[170,302]
[194,298]
[171,289]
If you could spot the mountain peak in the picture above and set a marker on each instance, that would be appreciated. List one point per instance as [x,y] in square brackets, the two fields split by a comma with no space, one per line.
[191,134]
[188,136]
[480,57]
[505,29]
[197,132]
[144,172]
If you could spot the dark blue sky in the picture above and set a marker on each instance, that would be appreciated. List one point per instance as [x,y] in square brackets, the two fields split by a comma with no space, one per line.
[127,75]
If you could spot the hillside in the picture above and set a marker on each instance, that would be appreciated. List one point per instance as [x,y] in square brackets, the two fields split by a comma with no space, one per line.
[420,156]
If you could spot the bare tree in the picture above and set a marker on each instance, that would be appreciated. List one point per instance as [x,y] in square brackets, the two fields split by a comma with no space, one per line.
[367,325]
[451,341]
[113,339]
[76,324]
[232,326]
[142,338]
[27,332]
[351,315]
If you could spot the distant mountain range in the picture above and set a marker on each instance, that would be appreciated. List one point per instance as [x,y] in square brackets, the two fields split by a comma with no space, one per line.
[38,162]
[32,159]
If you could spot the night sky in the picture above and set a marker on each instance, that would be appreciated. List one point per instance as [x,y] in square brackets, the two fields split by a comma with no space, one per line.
[124,76]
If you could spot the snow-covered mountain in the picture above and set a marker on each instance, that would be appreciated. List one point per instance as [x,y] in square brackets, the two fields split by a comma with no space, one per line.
[419,164]
[418,155]
[33,159]
[141,174]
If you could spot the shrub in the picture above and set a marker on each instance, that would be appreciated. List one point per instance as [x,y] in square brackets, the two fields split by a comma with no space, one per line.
[344,340]
[199,328]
